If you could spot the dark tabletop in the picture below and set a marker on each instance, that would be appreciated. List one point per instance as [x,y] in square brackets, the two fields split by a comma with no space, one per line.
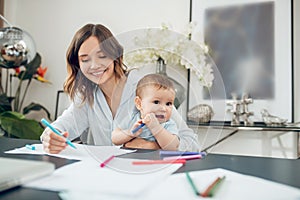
[280,170]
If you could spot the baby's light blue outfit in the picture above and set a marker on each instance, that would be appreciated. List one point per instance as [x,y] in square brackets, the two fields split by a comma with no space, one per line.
[169,125]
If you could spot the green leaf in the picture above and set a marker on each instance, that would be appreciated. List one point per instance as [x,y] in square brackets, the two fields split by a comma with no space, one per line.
[17,125]
[4,103]
[36,107]
[12,114]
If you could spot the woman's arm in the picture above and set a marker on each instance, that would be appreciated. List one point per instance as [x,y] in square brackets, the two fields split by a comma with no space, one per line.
[188,139]
[73,120]
[71,123]
[119,136]
[141,143]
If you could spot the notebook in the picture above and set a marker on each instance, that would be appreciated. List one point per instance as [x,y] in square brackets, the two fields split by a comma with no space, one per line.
[15,172]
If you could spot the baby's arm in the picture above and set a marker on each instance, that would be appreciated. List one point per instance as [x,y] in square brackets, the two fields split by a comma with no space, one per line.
[119,136]
[165,139]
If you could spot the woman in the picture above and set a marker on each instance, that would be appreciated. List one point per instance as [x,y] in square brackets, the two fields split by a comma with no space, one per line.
[102,91]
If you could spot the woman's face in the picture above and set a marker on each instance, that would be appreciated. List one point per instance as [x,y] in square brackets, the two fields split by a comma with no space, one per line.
[96,66]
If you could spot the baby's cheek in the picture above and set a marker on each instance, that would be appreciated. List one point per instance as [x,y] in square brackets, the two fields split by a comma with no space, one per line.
[169,113]
[153,108]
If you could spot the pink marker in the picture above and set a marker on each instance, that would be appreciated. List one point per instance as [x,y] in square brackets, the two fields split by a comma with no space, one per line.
[150,162]
[107,161]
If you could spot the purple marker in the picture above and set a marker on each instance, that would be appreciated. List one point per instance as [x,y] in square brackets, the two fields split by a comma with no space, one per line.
[180,153]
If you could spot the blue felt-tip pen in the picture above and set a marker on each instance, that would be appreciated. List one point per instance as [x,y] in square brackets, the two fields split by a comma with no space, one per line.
[30,147]
[45,122]
[138,128]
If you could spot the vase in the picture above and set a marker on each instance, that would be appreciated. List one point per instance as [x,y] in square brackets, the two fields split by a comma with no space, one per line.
[201,113]
[179,89]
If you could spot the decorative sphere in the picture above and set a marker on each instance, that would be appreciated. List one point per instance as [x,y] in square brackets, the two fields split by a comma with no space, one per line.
[201,113]
[17,47]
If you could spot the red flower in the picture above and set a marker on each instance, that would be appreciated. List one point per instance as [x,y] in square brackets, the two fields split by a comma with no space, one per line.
[17,71]
[41,71]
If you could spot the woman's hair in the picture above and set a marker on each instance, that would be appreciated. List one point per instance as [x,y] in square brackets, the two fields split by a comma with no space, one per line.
[76,81]
[154,80]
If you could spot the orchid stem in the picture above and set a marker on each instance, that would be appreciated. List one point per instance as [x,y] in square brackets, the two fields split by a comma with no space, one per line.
[25,92]
[6,84]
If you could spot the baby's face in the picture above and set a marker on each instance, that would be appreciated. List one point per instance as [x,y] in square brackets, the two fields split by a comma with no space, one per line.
[157,101]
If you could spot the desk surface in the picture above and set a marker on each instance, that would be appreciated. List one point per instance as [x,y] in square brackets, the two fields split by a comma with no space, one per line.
[284,171]
[257,126]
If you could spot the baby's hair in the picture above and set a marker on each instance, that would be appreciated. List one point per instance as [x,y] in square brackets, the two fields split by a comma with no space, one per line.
[155,80]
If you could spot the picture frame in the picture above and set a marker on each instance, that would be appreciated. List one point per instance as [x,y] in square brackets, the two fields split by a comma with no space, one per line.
[252,54]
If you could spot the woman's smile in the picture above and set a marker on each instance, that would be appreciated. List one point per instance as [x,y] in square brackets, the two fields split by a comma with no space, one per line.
[98,72]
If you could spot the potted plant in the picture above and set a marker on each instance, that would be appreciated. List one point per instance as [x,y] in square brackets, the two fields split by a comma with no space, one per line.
[13,122]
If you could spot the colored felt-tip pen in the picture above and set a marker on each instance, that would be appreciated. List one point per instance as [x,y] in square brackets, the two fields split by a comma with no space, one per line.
[30,147]
[107,161]
[188,157]
[180,153]
[138,128]
[45,122]
[153,162]
[191,182]
[210,191]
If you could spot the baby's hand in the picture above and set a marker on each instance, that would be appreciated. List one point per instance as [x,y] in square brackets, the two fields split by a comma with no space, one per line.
[152,123]
[138,132]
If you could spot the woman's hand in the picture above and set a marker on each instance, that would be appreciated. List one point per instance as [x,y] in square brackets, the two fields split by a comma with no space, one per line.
[141,143]
[52,142]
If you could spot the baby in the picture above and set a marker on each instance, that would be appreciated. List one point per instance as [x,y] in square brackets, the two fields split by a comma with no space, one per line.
[154,101]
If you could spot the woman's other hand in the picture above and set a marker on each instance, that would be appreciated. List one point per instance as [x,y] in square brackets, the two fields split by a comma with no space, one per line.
[141,143]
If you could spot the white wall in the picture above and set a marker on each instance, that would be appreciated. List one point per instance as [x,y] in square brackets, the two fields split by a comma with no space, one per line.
[52,23]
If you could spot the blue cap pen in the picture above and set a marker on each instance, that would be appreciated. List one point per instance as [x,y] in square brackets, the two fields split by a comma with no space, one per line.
[138,128]
[30,147]
[44,121]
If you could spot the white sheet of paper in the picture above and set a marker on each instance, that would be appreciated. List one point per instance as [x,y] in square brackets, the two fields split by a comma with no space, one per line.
[79,195]
[82,152]
[235,186]
[176,186]
[88,177]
